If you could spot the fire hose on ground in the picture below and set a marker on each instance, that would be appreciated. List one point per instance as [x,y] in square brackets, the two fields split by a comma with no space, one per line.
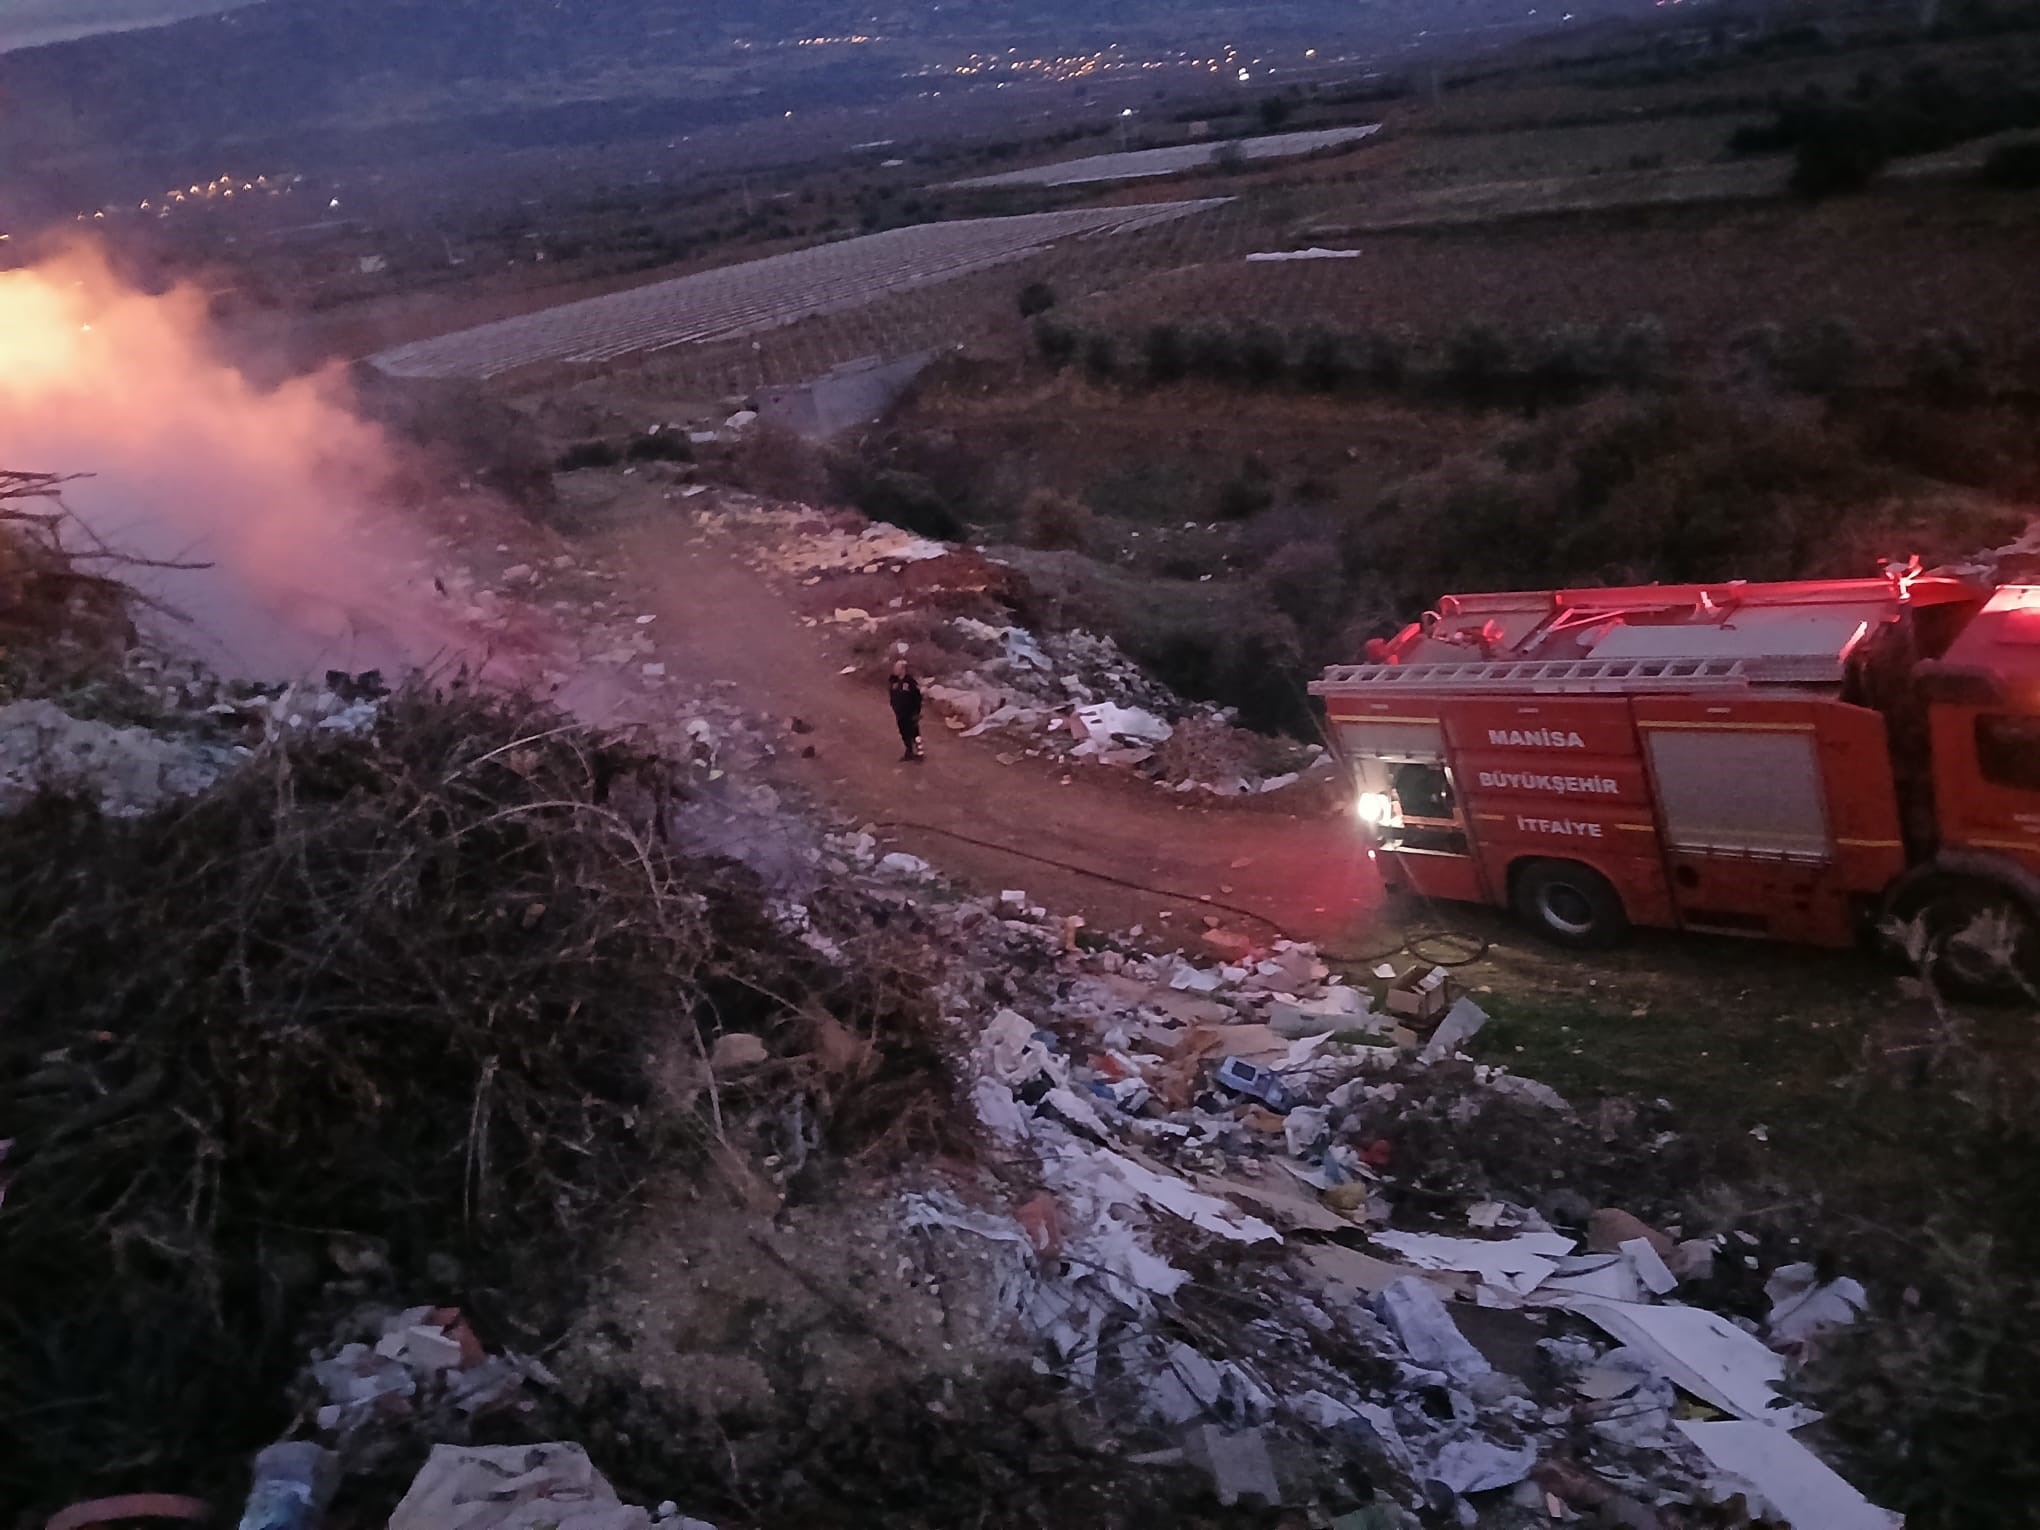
[1439,945]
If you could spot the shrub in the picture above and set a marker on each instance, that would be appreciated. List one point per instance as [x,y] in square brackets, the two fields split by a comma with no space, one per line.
[659,446]
[1214,352]
[1638,351]
[1055,522]
[1167,357]
[1945,366]
[1264,355]
[1055,342]
[1101,358]
[1230,156]
[1275,110]
[1324,363]
[2014,166]
[1304,581]
[1247,493]
[1840,156]
[1036,298]
[1476,358]
[1826,356]
[778,463]
[907,500]
[589,454]
[1385,358]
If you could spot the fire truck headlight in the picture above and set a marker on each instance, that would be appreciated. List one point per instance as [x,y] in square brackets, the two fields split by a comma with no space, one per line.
[1374,808]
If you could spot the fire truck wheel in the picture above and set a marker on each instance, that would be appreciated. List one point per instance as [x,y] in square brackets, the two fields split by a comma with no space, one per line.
[1571,904]
[1984,939]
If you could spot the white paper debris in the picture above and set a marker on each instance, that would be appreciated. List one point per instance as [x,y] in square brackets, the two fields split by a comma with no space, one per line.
[1705,1354]
[1798,1487]
[1516,1264]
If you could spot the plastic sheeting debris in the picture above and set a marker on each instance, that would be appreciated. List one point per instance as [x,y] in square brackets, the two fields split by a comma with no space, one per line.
[1413,1312]
[513,1487]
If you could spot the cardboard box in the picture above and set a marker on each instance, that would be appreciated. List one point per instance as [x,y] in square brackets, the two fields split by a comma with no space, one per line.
[1422,993]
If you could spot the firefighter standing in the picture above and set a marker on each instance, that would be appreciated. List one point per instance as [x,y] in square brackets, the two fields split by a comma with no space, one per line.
[906,706]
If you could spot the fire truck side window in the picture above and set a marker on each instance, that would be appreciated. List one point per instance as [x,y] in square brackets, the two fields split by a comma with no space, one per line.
[2008,751]
[1424,792]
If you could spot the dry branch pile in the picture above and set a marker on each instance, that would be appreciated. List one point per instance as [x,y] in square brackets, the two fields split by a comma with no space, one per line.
[410,987]
[47,594]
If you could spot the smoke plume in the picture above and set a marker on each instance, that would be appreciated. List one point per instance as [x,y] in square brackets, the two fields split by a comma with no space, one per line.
[188,461]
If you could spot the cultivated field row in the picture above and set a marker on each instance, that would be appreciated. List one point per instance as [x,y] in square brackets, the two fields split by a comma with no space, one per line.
[758,295]
[1137,164]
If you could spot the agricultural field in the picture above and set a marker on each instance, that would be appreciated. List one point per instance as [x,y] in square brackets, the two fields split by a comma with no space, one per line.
[754,296]
[1892,263]
[1139,164]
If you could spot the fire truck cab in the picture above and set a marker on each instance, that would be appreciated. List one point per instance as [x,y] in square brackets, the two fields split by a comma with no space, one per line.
[1783,760]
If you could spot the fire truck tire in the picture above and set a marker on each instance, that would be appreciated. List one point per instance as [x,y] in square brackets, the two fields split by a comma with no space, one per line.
[1570,904]
[1952,910]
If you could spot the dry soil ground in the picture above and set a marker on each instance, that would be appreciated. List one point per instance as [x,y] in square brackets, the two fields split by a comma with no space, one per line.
[997,826]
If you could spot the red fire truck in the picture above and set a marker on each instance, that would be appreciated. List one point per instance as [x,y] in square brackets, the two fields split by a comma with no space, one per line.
[1786,760]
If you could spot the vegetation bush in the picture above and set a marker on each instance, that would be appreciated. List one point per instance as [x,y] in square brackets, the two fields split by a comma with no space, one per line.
[1036,298]
[659,446]
[2014,166]
[778,463]
[1165,353]
[1324,362]
[589,454]
[1247,493]
[1056,342]
[1263,356]
[1477,358]
[1838,156]
[1825,356]
[1946,366]
[906,499]
[409,991]
[1052,521]
[1101,357]
[1306,583]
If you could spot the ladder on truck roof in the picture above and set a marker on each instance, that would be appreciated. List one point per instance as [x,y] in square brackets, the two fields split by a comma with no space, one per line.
[1583,675]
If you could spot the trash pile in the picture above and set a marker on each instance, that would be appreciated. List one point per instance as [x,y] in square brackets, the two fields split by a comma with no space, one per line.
[1070,695]
[1274,1211]
[187,735]
[415,1378]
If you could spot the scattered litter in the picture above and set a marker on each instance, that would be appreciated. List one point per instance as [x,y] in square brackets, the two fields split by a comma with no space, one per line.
[1412,1311]
[1461,1023]
[1240,1468]
[1803,1307]
[513,1487]
[1650,1269]
[293,1481]
[1481,1466]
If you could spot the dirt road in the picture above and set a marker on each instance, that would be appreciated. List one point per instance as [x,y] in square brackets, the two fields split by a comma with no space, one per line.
[989,824]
